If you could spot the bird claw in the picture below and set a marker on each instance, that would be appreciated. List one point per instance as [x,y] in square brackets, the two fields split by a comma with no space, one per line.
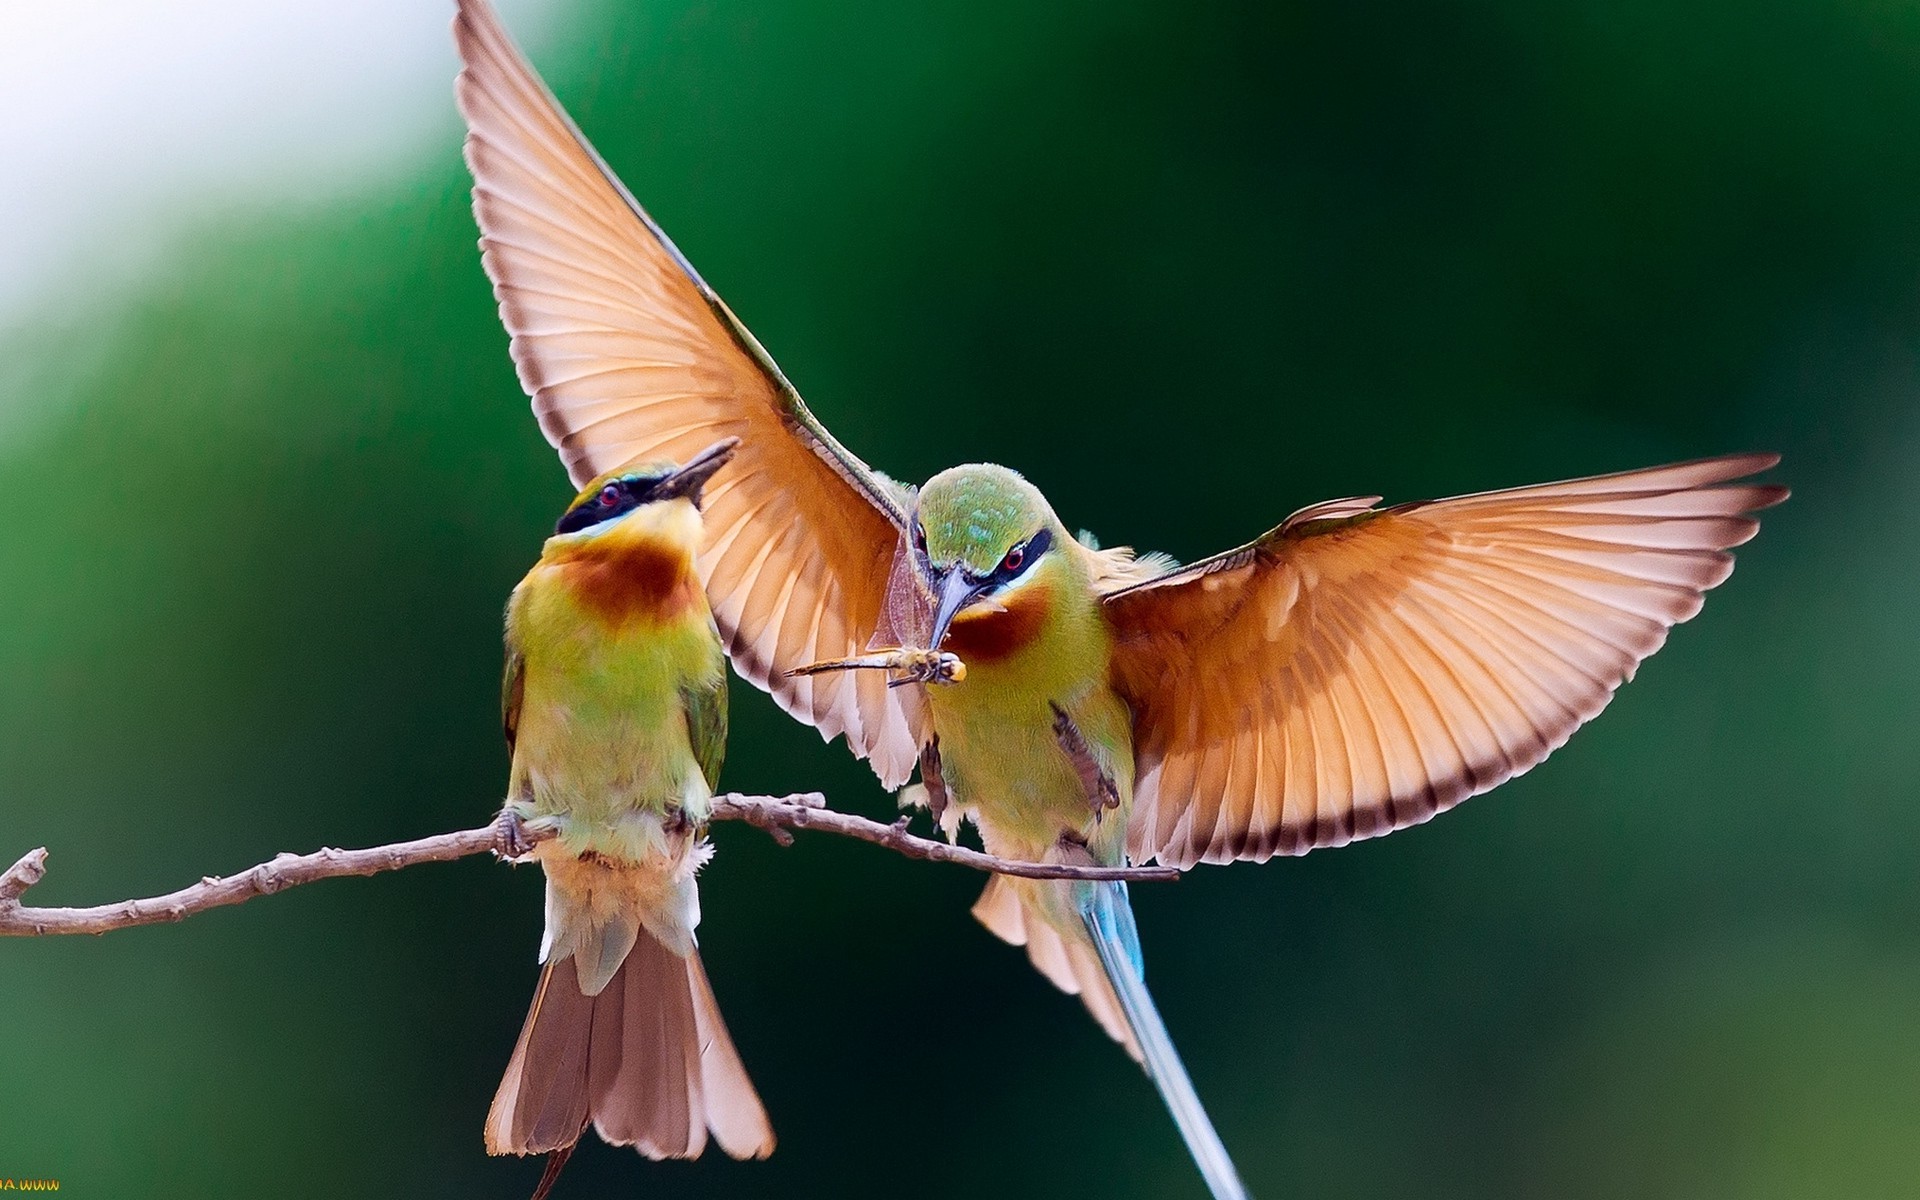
[511,842]
[934,782]
[906,664]
[1101,790]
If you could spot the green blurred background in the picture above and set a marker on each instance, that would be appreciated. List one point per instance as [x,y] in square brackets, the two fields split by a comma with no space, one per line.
[1187,265]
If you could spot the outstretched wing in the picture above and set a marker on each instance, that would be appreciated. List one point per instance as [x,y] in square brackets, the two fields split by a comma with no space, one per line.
[1358,670]
[628,355]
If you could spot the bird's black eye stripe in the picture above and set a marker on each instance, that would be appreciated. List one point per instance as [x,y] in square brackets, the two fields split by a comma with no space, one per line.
[1031,550]
[621,496]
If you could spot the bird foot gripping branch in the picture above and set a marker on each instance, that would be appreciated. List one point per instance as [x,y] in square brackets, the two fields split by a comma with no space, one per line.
[515,837]
[904,664]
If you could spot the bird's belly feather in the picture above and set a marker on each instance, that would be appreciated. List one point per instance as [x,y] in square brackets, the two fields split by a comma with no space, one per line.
[603,750]
[1005,767]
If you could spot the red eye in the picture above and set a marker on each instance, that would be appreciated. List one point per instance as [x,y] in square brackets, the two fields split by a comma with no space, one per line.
[609,496]
[1014,558]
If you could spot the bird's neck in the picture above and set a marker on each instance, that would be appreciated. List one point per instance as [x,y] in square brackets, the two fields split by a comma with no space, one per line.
[639,573]
[1040,638]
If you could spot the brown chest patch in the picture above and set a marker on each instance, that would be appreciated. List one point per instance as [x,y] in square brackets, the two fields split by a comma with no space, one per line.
[640,579]
[987,636]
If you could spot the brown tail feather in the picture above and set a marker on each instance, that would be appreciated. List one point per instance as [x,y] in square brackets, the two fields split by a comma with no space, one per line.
[1067,959]
[556,1162]
[734,1112]
[647,1062]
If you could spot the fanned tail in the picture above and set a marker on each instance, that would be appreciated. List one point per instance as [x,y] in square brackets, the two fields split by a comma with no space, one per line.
[1109,921]
[646,1061]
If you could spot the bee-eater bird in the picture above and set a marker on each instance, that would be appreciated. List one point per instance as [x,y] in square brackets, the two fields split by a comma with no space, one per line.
[615,708]
[1355,670]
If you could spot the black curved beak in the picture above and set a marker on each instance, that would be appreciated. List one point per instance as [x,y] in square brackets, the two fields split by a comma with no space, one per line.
[692,477]
[954,591]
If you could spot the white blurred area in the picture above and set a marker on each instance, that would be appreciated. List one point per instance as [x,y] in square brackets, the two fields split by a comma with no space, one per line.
[124,121]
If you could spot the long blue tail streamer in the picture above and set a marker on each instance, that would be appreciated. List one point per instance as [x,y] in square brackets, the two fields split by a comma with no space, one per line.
[1109,919]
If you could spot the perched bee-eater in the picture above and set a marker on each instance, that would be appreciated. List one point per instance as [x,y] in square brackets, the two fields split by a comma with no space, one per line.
[1355,670]
[615,707]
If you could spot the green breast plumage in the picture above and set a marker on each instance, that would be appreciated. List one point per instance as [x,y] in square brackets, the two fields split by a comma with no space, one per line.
[1000,753]
[604,743]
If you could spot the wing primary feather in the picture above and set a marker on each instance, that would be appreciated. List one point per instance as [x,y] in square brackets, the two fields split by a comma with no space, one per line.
[628,355]
[1462,640]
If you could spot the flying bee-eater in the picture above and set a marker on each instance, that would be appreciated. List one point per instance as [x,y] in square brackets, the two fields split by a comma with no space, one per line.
[615,709]
[1354,670]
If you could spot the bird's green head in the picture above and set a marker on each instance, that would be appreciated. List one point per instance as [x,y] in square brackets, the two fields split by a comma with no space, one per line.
[622,492]
[983,538]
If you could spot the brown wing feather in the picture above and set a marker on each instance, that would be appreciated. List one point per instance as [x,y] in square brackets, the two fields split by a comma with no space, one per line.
[1358,670]
[628,355]
[513,692]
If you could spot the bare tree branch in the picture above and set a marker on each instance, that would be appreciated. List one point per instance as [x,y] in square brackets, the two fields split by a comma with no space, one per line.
[776,815]
[808,812]
[283,871]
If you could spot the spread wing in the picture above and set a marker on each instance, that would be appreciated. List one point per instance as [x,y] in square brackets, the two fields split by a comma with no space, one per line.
[1358,670]
[628,355]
